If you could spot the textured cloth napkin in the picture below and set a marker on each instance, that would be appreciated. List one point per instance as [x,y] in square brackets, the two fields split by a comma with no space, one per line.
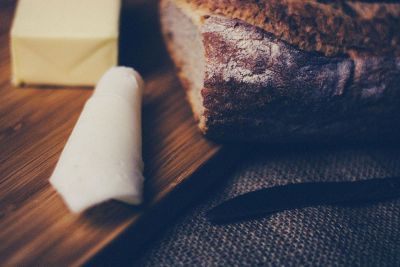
[366,235]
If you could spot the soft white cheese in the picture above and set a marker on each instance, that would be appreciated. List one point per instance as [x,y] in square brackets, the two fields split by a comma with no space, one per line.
[64,42]
[102,158]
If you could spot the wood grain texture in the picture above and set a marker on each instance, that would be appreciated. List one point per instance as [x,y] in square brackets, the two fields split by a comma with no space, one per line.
[35,225]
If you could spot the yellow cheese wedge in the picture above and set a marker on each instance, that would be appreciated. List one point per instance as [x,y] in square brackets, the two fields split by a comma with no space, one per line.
[59,42]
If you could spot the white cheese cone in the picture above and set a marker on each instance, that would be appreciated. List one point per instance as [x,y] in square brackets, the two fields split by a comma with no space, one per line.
[102,158]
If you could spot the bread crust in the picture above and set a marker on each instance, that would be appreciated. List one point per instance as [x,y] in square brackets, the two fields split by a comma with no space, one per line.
[260,88]
[329,27]
[257,87]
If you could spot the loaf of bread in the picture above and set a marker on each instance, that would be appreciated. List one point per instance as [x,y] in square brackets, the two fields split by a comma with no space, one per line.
[291,70]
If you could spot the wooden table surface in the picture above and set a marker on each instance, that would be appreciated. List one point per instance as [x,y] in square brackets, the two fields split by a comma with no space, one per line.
[35,225]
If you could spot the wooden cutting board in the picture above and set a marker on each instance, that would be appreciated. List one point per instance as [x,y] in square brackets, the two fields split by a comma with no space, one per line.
[35,226]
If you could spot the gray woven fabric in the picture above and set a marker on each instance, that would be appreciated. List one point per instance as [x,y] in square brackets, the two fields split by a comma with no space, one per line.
[323,236]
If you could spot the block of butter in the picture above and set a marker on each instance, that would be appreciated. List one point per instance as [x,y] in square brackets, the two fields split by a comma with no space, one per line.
[64,42]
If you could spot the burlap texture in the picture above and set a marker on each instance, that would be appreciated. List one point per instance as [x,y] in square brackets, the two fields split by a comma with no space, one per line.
[366,235]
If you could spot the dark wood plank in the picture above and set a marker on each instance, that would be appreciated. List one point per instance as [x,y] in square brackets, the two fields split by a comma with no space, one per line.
[35,226]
